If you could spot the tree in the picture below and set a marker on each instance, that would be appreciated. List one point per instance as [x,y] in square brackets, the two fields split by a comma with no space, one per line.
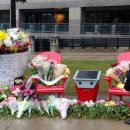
[13,11]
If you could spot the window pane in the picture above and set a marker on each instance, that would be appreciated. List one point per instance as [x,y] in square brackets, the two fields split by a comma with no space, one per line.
[90,17]
[50,18]
[32,18]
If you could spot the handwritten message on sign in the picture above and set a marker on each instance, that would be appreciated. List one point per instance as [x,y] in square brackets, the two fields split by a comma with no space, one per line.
[12,66]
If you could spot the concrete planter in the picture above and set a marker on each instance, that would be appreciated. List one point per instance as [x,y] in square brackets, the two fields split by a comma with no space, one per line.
[12,66]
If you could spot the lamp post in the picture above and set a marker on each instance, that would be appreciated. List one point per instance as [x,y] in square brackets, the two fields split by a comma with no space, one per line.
[12,13]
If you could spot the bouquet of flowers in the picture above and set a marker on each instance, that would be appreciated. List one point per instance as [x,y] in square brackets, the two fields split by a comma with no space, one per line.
[13,40]
[45,69]
[4,92]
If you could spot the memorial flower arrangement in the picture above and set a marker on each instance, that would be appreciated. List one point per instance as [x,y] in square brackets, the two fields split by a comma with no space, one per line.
[13,40]
[48,69]
[63,107]
[118,73]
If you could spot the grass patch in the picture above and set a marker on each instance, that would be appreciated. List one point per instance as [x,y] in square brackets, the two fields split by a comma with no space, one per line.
[74,65]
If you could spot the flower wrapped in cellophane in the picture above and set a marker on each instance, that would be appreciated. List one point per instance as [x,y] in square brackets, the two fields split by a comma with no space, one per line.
[13,105]
[118,72]
[110,73]
[36,64]
[22,107]
[59,70]
[61,104]
[45,69]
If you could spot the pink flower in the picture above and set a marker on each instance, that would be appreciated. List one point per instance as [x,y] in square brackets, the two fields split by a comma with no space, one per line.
[11,95]
[13,88]
[1,90]
[117,103]
[34,96]
[27,92]
[17,43]
[122,103]
[2,104]
[101,101]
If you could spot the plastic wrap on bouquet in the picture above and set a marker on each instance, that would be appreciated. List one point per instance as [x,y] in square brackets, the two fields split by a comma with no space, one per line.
[45,69]
[110,73]
[61,104]
[39,70]
[12,66]
[13,105]
[22,108]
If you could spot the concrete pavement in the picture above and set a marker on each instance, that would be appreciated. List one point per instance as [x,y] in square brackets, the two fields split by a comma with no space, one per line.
[43,123]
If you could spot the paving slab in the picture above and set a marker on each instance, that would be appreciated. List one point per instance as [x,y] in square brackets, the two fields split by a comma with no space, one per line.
[44,123]
[5,123]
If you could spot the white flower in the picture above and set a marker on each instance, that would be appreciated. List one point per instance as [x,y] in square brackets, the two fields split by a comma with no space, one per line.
[4,96]
[13,35]
[14,30]
[17,81]
[8,42]
[38,60]
[16,92]
[89,104]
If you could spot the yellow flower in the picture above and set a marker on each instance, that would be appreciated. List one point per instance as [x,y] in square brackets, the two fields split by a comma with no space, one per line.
[6,88]
[12,92]
[106,104]
[23,35]
[5,99]
[6,49]
[26,41]
[67,71]
[14,48]
[112,103]
[2,35]
[2,92]
[20,102]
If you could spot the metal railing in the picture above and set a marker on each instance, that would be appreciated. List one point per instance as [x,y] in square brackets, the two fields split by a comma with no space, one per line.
[95,42]
[110,29]
[4,26]
[46,28]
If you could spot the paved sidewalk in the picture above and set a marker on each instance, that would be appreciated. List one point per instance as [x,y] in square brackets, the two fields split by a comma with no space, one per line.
[43,123]
[84,56]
